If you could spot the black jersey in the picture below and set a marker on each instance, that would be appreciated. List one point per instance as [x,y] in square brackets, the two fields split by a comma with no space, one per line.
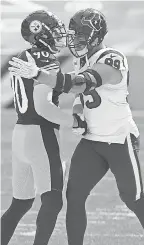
[23,90]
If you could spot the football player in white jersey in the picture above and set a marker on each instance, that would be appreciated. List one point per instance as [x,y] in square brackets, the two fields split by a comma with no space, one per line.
[101,79]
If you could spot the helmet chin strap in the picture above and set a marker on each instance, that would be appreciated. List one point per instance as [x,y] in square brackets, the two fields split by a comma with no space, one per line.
[82,52]
[58,47]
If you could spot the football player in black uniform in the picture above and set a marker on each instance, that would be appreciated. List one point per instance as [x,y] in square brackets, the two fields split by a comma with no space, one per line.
[36,162]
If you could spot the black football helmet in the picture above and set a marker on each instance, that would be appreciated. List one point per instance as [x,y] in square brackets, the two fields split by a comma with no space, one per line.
[86,28]
[44,30]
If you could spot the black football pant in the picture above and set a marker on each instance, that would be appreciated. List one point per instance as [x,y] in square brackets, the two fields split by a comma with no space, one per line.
[51,204]
[90,162]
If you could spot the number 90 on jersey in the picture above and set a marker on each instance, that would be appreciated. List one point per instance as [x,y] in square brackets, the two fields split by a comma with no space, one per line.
[20,97]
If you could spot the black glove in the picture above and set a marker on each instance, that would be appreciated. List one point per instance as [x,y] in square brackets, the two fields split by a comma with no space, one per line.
[81,123]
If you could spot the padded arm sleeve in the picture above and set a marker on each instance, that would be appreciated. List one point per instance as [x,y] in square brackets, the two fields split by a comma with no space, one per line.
[69,82]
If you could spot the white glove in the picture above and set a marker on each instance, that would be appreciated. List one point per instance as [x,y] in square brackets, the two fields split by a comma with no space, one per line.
[23,68]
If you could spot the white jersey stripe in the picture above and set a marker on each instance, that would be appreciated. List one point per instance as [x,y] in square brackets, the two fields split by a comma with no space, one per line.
[51,68]
[135,168]
[50,65]
[92,78]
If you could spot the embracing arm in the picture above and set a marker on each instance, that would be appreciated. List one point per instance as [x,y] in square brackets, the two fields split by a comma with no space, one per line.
[108,69]
[45,108]
[100,73]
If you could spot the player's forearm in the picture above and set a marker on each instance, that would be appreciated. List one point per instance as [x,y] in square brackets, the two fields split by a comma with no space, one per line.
[54,114]
[58,116]
[45,108]
[47,78]
[67,83]
[78,89]
[74,83]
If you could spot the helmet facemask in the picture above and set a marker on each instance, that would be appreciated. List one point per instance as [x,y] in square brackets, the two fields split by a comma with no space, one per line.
[54,39]
[59,35]
[77,43]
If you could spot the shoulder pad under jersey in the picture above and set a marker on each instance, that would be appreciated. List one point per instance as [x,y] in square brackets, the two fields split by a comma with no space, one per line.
[42,58]
[113,58]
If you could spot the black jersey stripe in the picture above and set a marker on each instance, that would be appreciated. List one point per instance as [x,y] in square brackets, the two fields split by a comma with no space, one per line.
[53,153]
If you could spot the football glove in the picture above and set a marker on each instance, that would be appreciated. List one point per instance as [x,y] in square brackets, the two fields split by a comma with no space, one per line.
[81,128]
[24,69]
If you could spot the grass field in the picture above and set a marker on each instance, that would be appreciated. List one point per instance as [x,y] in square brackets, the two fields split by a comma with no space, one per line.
[109,220]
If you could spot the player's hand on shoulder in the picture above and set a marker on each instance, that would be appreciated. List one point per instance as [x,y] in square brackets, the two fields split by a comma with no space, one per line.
[45,60]
[30,64]
[80,125]
[27,69]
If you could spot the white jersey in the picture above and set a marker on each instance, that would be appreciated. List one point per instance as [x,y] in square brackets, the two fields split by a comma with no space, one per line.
[106,109]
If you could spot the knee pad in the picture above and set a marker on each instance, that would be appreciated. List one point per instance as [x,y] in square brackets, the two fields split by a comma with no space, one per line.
[52,200]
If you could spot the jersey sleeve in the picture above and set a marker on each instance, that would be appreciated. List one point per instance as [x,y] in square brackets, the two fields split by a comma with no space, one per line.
[44,59]
[47,62]
[113,58]
[22,55]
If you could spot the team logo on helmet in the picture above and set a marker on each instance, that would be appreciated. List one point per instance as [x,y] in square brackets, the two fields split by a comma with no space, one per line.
[93,24]
[35,26]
